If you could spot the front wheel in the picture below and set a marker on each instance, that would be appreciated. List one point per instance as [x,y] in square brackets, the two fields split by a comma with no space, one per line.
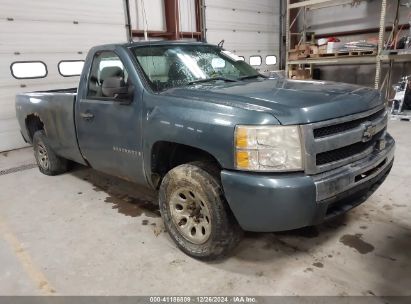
[195,212]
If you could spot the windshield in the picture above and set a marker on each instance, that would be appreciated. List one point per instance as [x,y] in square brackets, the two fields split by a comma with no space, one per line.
[173,66]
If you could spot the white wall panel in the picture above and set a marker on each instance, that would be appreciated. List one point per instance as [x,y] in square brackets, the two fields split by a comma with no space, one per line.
[150,10]
[249,28]
[90,11]
[266,6]
[187,15]
[153,11]
[49,31]
[41,37]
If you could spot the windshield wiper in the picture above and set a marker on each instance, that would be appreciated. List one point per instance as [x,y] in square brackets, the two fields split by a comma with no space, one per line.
[252,77]
[212,79]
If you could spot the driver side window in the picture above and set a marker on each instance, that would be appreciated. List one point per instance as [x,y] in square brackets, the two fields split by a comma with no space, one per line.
[106,65]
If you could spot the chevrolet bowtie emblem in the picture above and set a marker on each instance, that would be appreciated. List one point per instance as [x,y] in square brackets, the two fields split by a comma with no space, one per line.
[369,132]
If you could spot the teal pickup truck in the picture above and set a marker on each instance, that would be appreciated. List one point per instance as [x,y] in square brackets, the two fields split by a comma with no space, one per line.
[227,148]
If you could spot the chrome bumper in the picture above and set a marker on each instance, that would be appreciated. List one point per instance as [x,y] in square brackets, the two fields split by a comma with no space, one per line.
[330,184]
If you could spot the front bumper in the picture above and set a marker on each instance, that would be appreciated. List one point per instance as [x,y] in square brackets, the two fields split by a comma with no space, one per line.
[278,202]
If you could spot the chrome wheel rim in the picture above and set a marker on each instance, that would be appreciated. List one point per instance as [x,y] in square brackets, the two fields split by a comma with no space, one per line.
[42,156]
[190,215]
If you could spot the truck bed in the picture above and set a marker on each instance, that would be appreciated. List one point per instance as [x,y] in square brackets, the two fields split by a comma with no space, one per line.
[55,109]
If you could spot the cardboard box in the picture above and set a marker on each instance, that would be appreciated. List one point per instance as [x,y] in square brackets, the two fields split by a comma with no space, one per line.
[301,51]
[299,74]
[298,54]
[322,49]
[303,47]
[293,56]
[314,50]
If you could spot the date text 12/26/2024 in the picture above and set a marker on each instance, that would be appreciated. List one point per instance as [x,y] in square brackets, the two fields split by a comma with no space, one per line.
[204,299]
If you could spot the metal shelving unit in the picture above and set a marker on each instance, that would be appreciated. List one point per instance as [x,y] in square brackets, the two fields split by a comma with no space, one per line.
[336,60]
[379,59]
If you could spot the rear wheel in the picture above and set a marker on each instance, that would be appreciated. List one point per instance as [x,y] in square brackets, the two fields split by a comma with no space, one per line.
[195,212]
[47,161]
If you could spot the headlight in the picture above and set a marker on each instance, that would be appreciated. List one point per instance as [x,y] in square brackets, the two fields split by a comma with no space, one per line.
[268,148]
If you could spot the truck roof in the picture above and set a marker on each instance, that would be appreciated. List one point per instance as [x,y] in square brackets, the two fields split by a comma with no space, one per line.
[154,43]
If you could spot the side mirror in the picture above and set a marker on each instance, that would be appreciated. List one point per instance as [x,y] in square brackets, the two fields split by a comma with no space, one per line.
[115,87]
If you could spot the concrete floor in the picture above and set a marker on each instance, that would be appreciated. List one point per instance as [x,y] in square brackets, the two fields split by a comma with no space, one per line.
[84,233]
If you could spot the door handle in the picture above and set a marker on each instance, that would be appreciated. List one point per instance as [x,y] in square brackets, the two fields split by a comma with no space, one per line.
[87,115]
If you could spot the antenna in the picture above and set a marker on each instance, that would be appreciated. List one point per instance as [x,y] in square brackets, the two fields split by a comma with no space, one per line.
[221,44]
[144,20]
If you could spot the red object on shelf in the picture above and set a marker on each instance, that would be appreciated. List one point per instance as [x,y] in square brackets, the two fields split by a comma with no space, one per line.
[333,39]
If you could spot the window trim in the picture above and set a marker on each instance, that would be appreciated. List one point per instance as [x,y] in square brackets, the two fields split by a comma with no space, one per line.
[261,60]
[89,74]
[73,60]
[276,61]
[29,61]
[141,74]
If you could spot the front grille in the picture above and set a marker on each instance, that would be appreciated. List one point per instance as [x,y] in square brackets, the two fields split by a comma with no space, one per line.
[346,152]
[324,151]
[345,126]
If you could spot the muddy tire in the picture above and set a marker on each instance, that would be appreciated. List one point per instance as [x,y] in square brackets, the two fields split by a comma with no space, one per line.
[195,212]
[47,161]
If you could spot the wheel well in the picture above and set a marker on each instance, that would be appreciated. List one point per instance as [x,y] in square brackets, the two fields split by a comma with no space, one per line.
[168,155]
[33,124]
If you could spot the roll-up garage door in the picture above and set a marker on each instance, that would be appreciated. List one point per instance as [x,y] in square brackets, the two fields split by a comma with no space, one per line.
[251,29]
[49,31]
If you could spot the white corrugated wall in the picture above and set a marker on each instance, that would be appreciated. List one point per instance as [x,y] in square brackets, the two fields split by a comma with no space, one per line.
[249,28]
[49,31]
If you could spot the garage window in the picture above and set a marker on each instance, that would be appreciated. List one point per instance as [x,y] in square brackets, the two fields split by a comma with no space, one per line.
[28,69]
[271,60]
[255,60]
[68,68]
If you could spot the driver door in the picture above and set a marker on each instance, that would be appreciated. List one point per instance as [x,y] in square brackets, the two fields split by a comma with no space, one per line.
[108,128]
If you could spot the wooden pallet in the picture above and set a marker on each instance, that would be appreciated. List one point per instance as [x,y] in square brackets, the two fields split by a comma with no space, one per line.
[345,54]
[363,53]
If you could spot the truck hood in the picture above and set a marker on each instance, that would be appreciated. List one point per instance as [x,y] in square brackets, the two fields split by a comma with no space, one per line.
[290,101]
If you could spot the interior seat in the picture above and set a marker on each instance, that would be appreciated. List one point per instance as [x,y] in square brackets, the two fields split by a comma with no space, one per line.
[112,71]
